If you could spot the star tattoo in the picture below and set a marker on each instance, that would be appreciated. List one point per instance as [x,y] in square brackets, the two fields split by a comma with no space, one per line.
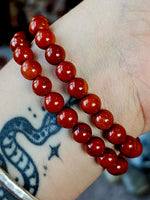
[54,151]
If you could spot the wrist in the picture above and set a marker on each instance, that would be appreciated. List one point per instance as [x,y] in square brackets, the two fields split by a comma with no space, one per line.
[98,63]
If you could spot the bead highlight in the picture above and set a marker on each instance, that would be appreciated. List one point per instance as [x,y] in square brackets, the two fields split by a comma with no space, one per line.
[77,88]
[95,147]
[91,104]
[22,54]
[67,118]
[53,102]
[41,85]
[103,120]
[55,54]
[82,133]
[119,168]
[38,22]
[116,134]
[44,38]
[108,158]
[131,147]
[65,71]
[30,69]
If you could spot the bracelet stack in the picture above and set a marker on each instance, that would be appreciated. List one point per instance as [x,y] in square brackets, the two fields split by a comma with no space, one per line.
[77,87]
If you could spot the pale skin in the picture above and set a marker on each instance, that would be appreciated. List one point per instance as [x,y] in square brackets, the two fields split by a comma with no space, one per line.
[109,43]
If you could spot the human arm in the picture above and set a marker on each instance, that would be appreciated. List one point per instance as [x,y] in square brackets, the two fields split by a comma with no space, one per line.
[96,40]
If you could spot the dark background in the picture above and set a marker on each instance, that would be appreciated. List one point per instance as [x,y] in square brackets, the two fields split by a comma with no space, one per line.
[16,14]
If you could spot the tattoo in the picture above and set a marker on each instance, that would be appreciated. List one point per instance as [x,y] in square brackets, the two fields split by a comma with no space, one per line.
[16,155]
[34,115]
[45,168]
[54,151]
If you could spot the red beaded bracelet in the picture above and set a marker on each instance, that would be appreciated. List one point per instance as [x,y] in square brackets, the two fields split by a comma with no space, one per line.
[32,70]
[77,88]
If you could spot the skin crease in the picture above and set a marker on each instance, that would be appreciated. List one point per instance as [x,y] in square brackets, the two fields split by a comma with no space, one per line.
[136,61]
[134,37]
[108,42]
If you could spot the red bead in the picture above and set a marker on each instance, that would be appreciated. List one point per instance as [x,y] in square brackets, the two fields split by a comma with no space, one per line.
[44,38]
[109,150]
[55,54]
[30,69]
[38,22]
[20,34]
[108,158]
[40,17]
[122,156]
[116,134]
[77,88]
[95,147]
[132,147]
[119,168]
[18,41]
[67,118]
[53,102]
[23,53]
[91,104]
[103,120]
[65,71]
[41,85]
[82,133]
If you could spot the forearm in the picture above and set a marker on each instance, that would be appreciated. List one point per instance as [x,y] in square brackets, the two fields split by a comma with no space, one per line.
[62,169]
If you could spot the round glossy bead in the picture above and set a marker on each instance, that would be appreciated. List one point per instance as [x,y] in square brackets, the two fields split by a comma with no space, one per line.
[44,38]
[119,168]
[38,22]
[77,88]
[108,158]
[95,147]
[55,54]
[20,34]
[18,41]
[30,69]
[65,71]
[131,147]
[116,134]
[67,118]
[91,104]
[22,53]
[53,102]
[40,17]
[103,120]
[109,150]
[41,85]
[82,133]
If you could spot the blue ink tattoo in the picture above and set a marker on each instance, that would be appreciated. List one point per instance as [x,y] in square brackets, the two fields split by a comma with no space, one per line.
[29,109]
[34,115]
[45,167]
[54,151]
[18,157]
